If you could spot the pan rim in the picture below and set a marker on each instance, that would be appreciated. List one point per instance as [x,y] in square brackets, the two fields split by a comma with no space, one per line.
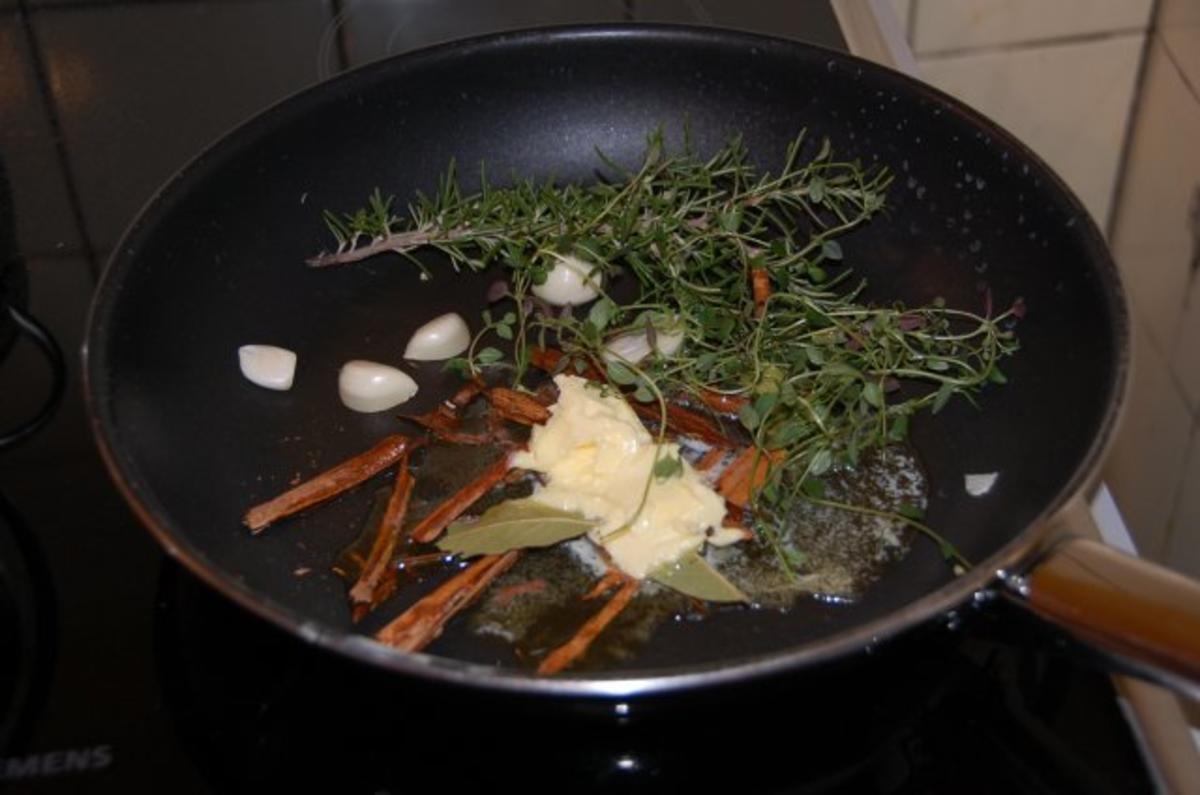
[1013,555]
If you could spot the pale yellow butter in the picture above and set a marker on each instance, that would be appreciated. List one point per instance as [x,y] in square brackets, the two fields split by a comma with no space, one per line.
[597,458]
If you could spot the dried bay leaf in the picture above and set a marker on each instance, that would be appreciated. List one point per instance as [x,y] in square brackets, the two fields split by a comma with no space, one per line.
[694,576]
[513,524]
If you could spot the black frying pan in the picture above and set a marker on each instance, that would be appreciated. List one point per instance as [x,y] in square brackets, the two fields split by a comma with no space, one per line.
[216,260]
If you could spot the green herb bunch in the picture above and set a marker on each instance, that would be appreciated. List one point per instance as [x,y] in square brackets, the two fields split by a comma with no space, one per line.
[818,374]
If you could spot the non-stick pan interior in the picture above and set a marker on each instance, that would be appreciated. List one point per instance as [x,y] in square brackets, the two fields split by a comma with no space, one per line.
[217,261]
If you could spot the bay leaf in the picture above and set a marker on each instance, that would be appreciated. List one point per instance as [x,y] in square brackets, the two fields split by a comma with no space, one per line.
[513,524]
[692,575]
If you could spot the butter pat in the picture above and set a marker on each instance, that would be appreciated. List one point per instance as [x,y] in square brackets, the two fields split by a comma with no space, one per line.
[597,458]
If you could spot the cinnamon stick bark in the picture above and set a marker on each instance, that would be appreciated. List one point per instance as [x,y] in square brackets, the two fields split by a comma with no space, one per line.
[329,483]
[423,622]
[433,524]
[761,282]
[746,474]
[567,654]
[366,591]
[517,406]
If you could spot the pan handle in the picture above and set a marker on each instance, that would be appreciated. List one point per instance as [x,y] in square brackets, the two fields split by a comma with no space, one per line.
[1145,616]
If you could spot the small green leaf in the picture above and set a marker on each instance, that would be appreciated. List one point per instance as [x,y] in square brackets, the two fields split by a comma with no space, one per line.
[832,249]
[513,524]
[621,374]
[787,433]
[997,377]
[458,365]
[873,394]
[898,431]
[937,365]
[821,462]
[817,273]
[694,576]
[816,189]
[489,356]
[643,394]
[748,416]
[504,332]
[668,467]
[765,403]
[601,313]
[813,487]
[815,354]
[942,397]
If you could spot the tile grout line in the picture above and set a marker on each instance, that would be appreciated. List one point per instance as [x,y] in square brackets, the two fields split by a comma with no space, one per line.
[1025,46]
[59,138]
[1180,486]
[910,24]
[1131,117]
[1192,89]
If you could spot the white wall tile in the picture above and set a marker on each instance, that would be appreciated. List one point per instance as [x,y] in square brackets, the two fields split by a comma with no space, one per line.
[1185,348]
[963,24]
[1177,12]
[1143,468]
[1068,102]
[1183,545]
[1183,45]
[1153,234]
[903,8]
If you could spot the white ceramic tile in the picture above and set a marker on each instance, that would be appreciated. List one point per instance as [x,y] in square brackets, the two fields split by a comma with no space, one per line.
[903,9]
[1153,234]
[1068,102]
[1183,45]
[1144,467]
[1183,545]
[1177,12]
[1185,348]
[965,24]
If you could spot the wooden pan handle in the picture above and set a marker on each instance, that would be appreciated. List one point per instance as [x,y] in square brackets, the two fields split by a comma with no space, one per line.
[1121,604]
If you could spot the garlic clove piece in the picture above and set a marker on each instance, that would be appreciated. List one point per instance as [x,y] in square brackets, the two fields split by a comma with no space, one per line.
[979,484]
[442,338]
[369,386]
[634,346]
[571,282]
[268,366]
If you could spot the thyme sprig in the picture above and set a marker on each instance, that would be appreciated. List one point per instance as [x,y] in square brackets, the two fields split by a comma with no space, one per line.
[820,375]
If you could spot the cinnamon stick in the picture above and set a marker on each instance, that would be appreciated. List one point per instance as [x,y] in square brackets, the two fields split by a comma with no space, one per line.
[760,280]
[423,622]
[378,567]
[568,653]
[329,483]
[517,406]
[746,474]
[433,524]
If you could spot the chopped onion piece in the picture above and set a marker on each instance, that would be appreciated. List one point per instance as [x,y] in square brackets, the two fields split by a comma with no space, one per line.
[570,282]
[443,337]
[981,483]
[268,366]
[369,386]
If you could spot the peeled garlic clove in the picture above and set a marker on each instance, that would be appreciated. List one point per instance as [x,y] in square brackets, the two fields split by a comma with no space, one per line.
[570,282]
[443,337]
[980,483]
[268,366]
[369,386]
[633,346]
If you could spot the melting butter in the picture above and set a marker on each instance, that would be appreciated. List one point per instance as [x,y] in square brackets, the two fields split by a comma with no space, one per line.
[598,458]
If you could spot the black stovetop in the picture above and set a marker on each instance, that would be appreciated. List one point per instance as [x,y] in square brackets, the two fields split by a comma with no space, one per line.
[120,672]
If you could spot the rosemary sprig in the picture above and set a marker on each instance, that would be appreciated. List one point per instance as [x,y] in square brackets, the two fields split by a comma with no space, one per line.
[820,375]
